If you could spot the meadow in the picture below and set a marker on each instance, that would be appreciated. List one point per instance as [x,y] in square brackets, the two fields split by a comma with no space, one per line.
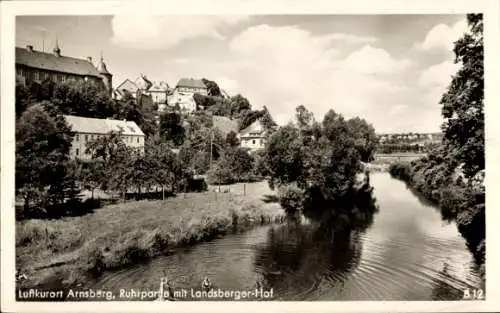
[121,235]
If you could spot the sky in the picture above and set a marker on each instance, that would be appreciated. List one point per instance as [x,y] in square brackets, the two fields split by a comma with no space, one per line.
[388,69]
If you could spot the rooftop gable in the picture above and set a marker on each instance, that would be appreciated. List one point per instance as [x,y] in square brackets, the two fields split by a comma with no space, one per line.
[191,83]
[52,62]
[102,126]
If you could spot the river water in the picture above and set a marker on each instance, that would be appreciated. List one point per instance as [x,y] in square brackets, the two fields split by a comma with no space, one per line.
[408,253]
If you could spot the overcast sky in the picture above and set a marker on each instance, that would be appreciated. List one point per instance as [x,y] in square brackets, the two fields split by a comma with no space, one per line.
[388,69]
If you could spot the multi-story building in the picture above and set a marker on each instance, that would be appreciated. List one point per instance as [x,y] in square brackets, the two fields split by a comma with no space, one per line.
[254,136]
[88,129]
[38,66]
[183,94]
[190,85]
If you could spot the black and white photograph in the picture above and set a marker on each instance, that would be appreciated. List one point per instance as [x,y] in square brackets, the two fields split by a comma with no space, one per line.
[247,157]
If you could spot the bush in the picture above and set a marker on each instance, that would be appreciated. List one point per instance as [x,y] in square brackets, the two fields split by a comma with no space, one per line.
[401,171]
[291,199]
[220,175]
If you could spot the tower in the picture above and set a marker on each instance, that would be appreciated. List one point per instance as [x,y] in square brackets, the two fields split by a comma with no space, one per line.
[57,50]
[107,77]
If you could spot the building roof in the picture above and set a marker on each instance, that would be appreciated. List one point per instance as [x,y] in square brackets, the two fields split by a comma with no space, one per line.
[52,62]
[159,87]
[128,85]
[102,126]
[256,129]
[191,83]
[224,124]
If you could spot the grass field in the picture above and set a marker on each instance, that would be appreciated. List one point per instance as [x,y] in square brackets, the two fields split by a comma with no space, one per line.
[124,234]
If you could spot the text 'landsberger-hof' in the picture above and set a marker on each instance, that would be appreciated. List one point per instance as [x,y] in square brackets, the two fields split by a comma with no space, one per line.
[196,294]
[144,294]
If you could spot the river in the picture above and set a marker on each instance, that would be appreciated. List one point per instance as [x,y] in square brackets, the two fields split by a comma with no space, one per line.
[408,253]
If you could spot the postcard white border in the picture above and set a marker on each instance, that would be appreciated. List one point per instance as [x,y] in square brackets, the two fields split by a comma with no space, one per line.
[490,9]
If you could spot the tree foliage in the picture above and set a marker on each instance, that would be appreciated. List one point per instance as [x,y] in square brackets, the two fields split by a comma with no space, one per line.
[213,88]
[43,140]
[322,159]
[462,104]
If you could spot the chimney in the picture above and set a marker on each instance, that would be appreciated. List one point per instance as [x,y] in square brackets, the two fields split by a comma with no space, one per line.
[29,48]
[89,59]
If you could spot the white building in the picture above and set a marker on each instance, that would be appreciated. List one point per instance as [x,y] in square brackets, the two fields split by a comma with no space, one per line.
[87,129]
[254,136]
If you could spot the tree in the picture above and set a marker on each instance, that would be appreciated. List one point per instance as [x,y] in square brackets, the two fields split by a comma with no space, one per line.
[83,98]
[303,117]
[23,98]
[116,158]
[43,140]
[365,138]
[321,159]
[213,88]
[239,104]
[171,129]
[240,162]
[232,139]
[463,102]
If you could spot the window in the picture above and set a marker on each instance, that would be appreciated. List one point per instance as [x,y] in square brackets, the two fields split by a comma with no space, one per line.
[86,138]
[137,139]
[63,78]
[77,137]
[253,142]
[131,129]
[77,151]
[37,75]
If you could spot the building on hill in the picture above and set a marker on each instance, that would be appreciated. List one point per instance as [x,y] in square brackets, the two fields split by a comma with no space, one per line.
[182,96]
[87,129]
[127,86]
[159,92]
[37,66]
[190,85]
[254,136]
[146,92]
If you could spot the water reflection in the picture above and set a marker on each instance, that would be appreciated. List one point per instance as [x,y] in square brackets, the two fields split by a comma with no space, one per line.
[296,258]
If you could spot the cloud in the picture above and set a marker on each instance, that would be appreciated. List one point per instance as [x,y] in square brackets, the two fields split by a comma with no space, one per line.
[438,75]
[283,67]
[229,85]
[442,37]
[351,39]
[370,60]
[160,32]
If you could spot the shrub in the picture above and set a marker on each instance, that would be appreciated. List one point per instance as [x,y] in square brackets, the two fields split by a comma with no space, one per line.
[291,198]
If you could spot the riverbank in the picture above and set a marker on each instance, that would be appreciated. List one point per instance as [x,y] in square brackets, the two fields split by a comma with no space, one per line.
[458,201]
[117,236]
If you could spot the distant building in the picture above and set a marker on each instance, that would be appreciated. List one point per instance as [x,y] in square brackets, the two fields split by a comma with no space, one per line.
[183,94]
[190,85]
[127,86]
[87,129]
[159,92]
[254,136]
[37,66]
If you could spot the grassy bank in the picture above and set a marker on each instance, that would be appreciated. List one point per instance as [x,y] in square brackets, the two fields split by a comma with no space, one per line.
[458,201]
[121,235]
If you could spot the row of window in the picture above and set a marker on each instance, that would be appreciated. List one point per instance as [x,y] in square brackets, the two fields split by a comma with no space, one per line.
[87,137]
[255,141]
[38,75]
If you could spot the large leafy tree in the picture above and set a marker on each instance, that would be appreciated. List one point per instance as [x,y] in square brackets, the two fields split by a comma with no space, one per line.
[462,104]
[321,159]
[43,140]
[171,129]
[213,88]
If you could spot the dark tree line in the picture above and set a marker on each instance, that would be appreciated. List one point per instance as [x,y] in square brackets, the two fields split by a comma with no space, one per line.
[453,174]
